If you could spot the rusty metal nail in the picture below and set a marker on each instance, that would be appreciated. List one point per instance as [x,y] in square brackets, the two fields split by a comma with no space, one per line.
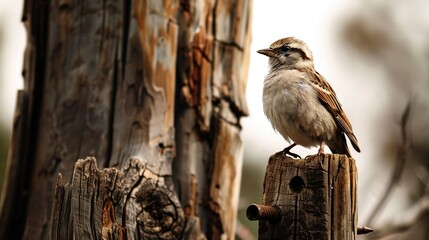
[364,230]
[261,212]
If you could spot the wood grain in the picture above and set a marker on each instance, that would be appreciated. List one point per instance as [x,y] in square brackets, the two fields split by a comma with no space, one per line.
[99,203]
[152,89]
[317,197]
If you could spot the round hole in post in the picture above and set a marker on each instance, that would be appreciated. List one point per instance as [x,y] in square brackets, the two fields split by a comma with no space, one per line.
[297,184]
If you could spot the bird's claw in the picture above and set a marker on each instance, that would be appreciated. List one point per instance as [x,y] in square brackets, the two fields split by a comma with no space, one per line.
[286,152]
[313,155]
[320,152]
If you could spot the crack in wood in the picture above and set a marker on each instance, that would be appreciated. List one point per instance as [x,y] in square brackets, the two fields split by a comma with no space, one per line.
[231,44]
[100,80]
[325,208]
[158,203]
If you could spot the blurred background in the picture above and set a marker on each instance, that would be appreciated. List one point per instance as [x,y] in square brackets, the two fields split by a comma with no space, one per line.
[12,44]
[374,53]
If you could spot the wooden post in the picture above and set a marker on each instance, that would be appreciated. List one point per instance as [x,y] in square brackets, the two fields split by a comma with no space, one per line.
[316,196]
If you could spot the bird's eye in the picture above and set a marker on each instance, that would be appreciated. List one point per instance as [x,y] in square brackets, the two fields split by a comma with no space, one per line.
[285,48]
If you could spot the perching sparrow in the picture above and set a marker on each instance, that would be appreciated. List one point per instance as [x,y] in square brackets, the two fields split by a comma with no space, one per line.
[299,103]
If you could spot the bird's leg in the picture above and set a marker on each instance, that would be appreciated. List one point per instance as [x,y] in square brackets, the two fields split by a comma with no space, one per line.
[320,151]
[286,151]
[322,148]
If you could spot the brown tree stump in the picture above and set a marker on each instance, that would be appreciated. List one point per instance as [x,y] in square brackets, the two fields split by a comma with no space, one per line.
[155,91]
[98,202]
[317,197]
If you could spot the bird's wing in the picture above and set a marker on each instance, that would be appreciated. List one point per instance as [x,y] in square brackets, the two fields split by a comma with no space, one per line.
[329,99]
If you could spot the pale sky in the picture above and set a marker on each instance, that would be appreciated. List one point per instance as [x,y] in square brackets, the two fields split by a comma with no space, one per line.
[12,35]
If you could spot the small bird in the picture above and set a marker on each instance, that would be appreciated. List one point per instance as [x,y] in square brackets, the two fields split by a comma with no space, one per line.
[300,103]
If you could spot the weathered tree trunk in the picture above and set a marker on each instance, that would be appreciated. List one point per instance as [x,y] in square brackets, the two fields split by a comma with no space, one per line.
[154,91]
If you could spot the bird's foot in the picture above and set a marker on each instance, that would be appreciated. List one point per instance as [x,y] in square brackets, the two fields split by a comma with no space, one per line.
[287,151]
[294,155]
[320,152]
[313,155]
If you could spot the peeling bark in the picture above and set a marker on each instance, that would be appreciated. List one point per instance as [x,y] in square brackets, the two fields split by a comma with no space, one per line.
[154,90]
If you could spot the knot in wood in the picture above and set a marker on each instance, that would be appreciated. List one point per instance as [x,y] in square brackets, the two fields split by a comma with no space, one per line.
[161,216]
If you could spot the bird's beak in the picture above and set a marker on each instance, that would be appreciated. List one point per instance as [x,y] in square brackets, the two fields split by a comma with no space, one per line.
[267,52]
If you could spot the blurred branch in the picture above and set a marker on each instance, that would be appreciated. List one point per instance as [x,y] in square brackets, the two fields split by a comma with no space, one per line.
[402,156]
[405,221]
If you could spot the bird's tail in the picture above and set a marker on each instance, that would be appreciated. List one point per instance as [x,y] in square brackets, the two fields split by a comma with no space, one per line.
[339,145]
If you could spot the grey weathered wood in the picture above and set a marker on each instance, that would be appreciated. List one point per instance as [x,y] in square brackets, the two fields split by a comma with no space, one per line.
[97,203]
[158,83]
[212,49]
[317,197]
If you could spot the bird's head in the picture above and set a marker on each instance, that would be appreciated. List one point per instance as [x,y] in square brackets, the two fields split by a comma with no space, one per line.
[288,52]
